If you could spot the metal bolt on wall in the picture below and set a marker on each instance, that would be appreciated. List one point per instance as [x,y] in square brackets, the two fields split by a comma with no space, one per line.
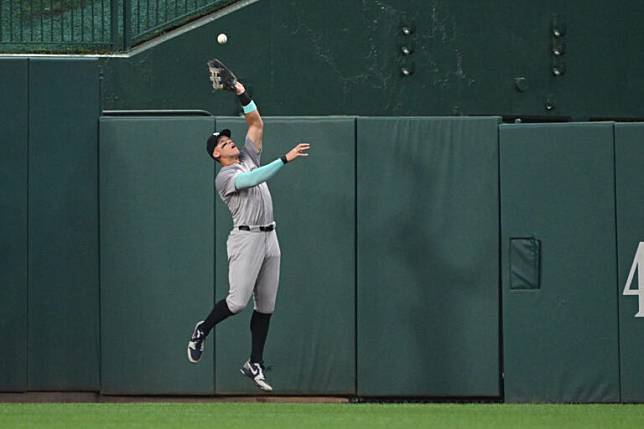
[407,46]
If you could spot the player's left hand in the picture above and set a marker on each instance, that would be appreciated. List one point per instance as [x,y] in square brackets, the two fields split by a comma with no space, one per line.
[239,88]
[221,76]
[301,149]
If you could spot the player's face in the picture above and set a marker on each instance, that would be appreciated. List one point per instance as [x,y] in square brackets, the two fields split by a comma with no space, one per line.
[227,147]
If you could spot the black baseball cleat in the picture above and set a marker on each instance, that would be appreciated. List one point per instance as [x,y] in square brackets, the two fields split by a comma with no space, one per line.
[255,372]
[195,345]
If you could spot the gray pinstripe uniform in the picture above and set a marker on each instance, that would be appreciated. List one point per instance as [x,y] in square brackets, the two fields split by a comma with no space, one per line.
[253,256]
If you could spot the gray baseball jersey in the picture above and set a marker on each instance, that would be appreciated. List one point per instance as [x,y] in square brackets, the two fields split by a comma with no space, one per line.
[253,256]
[251,206]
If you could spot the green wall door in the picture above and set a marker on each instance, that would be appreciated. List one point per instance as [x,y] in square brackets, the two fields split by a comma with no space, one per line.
[557,189]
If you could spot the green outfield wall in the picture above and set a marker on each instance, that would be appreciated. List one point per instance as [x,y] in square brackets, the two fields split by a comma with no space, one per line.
[433,257]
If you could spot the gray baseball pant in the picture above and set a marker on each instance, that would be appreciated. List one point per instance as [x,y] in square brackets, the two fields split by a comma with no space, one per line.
[253,269]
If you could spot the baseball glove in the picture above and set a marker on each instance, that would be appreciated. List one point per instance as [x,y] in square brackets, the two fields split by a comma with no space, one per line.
[221,76]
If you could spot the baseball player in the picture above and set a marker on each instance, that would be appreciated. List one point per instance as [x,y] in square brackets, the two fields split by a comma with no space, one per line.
[252,246]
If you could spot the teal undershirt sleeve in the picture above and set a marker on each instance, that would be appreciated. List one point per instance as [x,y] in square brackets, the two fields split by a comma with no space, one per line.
[258,175]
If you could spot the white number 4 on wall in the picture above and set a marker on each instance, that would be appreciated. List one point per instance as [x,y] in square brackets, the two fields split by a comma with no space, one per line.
[638,264]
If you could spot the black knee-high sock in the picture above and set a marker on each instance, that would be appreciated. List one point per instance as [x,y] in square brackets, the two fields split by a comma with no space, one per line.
[218,313]
[259,331]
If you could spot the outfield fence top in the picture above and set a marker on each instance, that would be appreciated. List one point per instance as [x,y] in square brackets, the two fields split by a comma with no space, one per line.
[92,25]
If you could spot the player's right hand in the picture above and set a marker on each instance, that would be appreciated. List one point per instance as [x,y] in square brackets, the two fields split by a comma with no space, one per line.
[299,150]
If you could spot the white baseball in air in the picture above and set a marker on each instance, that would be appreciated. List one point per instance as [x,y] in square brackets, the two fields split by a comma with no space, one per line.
[222,38]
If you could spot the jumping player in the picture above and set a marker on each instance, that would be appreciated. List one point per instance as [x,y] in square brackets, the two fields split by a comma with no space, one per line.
[252,246]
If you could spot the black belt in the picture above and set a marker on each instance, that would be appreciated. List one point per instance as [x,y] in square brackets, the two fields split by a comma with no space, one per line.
[261,228]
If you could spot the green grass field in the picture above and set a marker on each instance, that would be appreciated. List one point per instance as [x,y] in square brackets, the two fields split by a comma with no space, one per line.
[336,416]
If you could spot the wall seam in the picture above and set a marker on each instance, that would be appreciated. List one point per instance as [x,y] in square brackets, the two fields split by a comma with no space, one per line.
[619,340]
[500,267]
[27,354]
[355,254]
[98,229]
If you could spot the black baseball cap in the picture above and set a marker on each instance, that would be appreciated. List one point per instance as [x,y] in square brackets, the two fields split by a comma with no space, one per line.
[214,138]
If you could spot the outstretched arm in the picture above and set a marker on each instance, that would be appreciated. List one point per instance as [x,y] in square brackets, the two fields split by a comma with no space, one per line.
[264,173]
[222,78]
[253,119]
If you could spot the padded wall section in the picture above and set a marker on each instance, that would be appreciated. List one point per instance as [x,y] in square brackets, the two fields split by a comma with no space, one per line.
[311,343]
[14,127]
[557,186]
[428,257]
[629,159]
[156,253]
[63,225]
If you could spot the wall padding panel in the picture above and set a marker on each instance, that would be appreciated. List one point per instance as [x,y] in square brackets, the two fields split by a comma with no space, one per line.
[157,254]
[629,162]
[311,342]
[63,224]
[428,280]
[14,229]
